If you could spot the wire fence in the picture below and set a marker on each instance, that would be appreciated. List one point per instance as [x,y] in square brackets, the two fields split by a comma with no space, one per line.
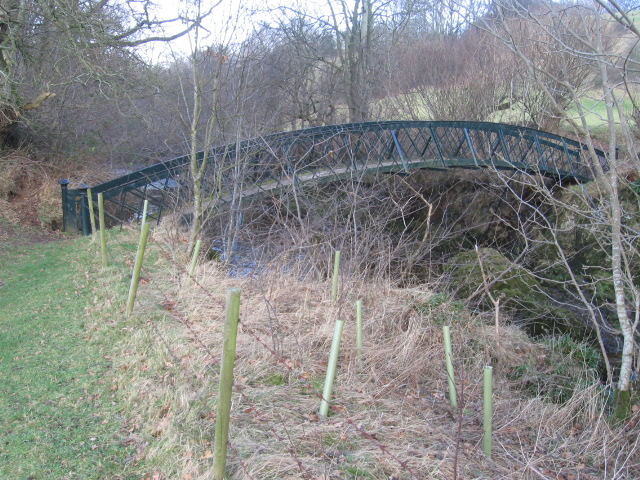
[392,451]
[289,368]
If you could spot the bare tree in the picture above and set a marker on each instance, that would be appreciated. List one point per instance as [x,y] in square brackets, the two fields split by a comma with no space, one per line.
[584,34]
[452,78]
[357,32]
[222,102]
[302,91]
[48,46]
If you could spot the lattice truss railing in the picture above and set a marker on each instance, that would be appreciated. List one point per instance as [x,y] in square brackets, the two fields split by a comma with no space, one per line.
[290,159]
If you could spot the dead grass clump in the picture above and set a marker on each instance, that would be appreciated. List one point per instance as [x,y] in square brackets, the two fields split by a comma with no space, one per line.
[8,213]
[30,191]
[574,440]
[8,179]
[49,202]
[22,178]
[390,414]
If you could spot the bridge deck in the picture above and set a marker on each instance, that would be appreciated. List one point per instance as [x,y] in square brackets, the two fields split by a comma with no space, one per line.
[334,152]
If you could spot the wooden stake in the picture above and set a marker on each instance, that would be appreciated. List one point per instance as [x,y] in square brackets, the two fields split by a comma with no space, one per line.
[336,275]
[226,384]
[194,258]
[331,368]
[92,215]
[144,214]
[488,411]
[359,328]
[135,277]
[103,230]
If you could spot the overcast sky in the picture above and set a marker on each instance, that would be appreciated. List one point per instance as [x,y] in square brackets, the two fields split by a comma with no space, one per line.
[229,17]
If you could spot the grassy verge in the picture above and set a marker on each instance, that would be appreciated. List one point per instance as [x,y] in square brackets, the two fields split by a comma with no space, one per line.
[58,331]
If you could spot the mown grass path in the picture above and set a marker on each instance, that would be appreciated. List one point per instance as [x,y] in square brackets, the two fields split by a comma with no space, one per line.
[59,418]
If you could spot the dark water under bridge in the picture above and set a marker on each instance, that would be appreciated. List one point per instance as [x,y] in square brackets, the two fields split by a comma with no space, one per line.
[291,159]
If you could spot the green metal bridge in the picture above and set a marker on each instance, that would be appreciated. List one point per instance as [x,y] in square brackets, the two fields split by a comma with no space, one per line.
[291,159]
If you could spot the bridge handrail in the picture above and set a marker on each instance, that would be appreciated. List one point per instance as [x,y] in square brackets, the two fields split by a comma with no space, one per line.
[568,147]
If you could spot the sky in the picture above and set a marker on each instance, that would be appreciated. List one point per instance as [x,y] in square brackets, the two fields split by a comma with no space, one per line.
[225,13]
[228,17]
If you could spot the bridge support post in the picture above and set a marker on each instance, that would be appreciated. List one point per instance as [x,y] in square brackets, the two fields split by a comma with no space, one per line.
[85,217]
[64,186]
[69,212]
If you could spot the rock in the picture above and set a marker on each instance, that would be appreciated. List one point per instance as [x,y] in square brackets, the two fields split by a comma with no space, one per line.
[522,295]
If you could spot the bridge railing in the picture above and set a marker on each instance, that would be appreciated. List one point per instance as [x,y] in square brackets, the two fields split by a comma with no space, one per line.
[331,152]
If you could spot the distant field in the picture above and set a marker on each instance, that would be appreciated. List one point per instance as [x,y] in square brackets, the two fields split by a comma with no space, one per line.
[597,112]
[411,106]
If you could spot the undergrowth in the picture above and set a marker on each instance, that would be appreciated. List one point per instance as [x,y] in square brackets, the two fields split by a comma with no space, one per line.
[143,389]
[390,415]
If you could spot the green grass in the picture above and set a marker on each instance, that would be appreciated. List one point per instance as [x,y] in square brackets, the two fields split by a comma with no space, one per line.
[596,112]
[58,330]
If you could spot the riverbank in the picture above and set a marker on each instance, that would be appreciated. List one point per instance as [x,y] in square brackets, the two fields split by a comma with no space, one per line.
[90,394]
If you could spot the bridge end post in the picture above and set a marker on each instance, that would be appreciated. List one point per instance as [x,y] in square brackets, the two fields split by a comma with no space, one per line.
[69,214]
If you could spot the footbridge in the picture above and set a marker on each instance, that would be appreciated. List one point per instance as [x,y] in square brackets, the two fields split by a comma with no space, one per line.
[292,159]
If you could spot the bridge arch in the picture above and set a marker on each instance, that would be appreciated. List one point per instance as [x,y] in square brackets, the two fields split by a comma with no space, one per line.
[332,152]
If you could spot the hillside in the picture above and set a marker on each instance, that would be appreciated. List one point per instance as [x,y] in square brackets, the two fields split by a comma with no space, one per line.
[90,394]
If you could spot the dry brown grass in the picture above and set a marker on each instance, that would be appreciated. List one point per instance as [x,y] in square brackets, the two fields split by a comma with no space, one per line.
[30,189]
[391,417]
